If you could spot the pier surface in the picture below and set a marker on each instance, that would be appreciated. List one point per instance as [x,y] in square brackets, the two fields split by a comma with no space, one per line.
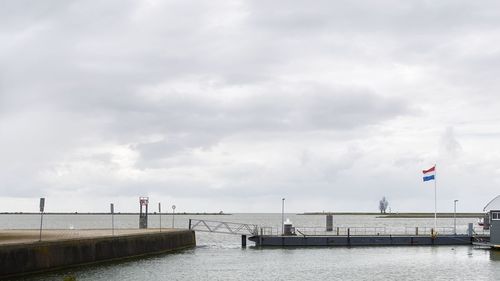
[21,252]
[16,236]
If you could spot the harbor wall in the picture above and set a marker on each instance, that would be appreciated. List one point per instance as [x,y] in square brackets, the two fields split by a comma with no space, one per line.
[18,259]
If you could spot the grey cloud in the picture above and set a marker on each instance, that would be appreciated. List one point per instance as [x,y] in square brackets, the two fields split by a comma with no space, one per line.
[314,108]
[200,122]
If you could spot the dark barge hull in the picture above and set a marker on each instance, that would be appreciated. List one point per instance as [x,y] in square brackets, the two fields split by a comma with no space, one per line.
[379,240]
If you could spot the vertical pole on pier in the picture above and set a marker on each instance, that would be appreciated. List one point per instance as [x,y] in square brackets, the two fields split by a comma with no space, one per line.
[455,216]
[243,241]
[42,208]
[159,212]
[329,222]
[282,216]
[189,224]
[143,215]
[112,210]
[435,199]
[173,216]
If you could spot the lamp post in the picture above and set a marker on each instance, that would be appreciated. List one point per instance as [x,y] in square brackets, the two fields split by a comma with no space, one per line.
[455,216]
[282,216]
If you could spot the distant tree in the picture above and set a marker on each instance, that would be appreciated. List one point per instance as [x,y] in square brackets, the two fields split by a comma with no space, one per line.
[382,205]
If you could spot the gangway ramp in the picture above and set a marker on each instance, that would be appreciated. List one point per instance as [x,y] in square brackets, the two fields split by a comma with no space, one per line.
[223,227]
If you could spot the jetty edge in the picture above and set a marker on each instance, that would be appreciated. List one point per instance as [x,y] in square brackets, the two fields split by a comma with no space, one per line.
[65,249]
[348,241]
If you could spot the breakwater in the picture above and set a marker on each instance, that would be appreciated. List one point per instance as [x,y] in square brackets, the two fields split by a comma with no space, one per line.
[21,253]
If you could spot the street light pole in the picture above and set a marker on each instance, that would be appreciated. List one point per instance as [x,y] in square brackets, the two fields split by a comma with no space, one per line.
[455,216]
[282,216]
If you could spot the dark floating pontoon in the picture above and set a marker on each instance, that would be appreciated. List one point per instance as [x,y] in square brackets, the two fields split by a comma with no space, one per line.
[342,236]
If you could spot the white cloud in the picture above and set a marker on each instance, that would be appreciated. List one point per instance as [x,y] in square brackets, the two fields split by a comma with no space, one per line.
[232,105]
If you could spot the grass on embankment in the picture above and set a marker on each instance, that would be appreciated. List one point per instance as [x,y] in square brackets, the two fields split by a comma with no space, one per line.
[399,215]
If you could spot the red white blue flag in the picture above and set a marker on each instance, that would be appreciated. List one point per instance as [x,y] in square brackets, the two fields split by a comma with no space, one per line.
[430,174]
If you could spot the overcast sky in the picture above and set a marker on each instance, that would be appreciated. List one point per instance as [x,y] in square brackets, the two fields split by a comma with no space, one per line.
[232,105]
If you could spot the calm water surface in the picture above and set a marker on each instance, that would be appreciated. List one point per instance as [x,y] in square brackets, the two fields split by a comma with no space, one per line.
[220,257]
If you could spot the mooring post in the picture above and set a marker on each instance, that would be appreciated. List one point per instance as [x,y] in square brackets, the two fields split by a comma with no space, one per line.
[329,222]
[243,241]
[338,231]
[470,229]
[189,224]
[416,231]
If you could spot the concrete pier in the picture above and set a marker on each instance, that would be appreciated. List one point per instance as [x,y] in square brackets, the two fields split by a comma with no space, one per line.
[22,253]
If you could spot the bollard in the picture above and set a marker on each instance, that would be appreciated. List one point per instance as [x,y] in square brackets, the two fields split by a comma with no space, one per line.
[338,231]
[433,234]
[416,230]
[243,241]
[470,229]
[329,222]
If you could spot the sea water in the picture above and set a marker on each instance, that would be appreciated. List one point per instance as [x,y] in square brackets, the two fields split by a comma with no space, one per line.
[221,257]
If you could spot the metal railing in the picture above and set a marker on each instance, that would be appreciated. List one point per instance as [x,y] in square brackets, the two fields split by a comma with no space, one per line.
[372,231]
[223,227]
[253,229]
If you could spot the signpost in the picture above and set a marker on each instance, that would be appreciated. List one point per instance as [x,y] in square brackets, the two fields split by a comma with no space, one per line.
[173,216]
[112,209]
[42,208]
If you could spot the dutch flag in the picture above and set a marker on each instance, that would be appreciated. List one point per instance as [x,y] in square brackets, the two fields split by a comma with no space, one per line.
[430,174]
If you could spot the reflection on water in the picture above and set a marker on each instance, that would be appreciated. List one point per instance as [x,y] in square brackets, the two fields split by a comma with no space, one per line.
[494,255]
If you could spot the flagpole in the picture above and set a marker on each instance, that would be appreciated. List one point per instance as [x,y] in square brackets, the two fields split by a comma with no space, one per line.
[435,199]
